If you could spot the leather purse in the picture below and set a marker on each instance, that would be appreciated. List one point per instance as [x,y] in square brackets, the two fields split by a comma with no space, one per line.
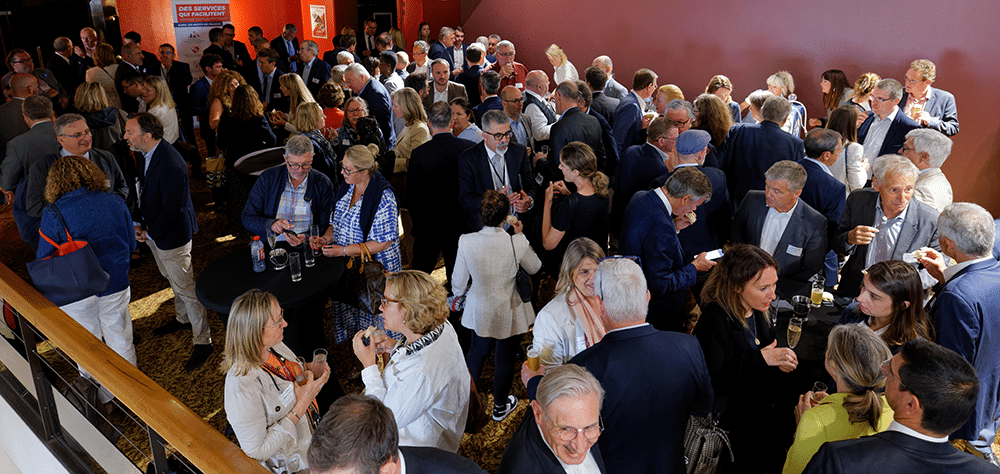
[71,273]
[364,281]
[522,281]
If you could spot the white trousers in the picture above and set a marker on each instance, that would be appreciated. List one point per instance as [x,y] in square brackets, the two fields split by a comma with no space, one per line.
[108,319]
[175,266]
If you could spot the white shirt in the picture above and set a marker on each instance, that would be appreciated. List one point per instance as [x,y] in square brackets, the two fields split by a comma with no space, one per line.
[458,57]
[627,327]
[558,333]
[876,134]
[540,126]
[774,227]
[950,272]
[588,466]
[901,428]
[666,202]
[663,155]
[440,96]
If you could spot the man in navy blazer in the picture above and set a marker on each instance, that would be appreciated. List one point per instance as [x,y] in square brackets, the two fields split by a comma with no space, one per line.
[649,232]
[469,77]
[607,133]
[481,170]
[604,104]
[931,391]
[929,107]
[711,227]
[282,43]
[966,310]
[439,48]
[359,431]
[314,71]
[211,67]
[782,224]
[679,378]
[751,148]
[489,86]
[629,120]
[573,125]
[884,131]
[165,220]
[641,164]
[379,103]
[822,191]
[884,211]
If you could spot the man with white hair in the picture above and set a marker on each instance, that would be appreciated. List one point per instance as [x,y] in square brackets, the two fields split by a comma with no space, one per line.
[561,428]
[928,149]
[882,222]
[419,63]
[512,73]
[379,104]
[966,311]
[679,379]
[612,89]
[884,131]
[439,50]
[314,71]
[68,68]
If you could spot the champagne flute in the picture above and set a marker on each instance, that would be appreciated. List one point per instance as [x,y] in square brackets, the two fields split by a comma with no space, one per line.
[301,377]
[794,332]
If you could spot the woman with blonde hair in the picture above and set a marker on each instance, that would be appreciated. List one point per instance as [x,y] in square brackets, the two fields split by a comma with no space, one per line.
[854,358]
[563,69]
[722,87]
[863,88]
[292,87]
[104,71]
[365,212]
[428,387]
[407,106]
[663,95]
[712,116]
[156,94]
[107,123]
[782,84]
[397,38]
[309,121]
[571,321]
[583,213]
[270,412]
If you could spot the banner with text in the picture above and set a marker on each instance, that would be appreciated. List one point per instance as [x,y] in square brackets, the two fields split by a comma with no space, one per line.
[192,20]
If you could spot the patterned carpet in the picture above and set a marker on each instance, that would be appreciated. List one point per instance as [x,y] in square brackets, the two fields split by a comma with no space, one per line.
[162,358]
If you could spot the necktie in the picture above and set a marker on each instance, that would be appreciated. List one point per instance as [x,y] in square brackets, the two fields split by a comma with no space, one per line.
[291,52]
[265,88]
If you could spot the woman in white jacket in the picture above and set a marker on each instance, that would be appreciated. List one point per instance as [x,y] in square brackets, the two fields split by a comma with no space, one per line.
[493,309]
[267,409]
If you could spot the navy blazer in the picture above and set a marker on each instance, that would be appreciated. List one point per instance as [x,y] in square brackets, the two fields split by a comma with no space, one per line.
[919,230]
[604,105]
[527,452]
[648,232]
[892,452]
[164,207]
[379,107]
[574,126]
[610,146]
[261,209]
[428,460]
[318,75]
[681,384]
[199,97]
[179,78]
[639,166]
[942,107]
[628,122]
[278,44]
[895,137]
[470,79]
[440,51]
[475,178]
[711,230]
[824,193]
[275,100]
[750,149]
[801,248]
[965,314]
[488,104]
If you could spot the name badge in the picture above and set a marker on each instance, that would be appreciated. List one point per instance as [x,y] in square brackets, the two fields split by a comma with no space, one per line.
[301,209]
[347,142]
[315,80]
[287,396]
[277,95]
[519,85]
[793,250]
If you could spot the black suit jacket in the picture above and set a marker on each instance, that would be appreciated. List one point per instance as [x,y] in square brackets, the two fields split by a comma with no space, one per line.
[433,185]
[475,178]
[895,137]
[179,78]
[574,126]
[164,206]
[124,72]
[227,59]
[679,380]
[610,145]
[278,44]
[242,55]
[605,106]
[69,74]
[275,100]
[891,452]
[470,79]
[318,75]
[801,248]
[426,460]
[527,452]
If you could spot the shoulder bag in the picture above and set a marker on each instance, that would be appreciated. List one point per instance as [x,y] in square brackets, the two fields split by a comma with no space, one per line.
[522,281]
[71,273]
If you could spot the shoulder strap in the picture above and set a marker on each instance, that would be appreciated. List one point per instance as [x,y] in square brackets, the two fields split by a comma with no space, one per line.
[61,221]
[512,250]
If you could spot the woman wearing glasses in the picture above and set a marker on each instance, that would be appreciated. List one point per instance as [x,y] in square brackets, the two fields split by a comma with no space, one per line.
[742,354]
[365,212]
[426,382]
[351,133]
[269,411]
[493,309]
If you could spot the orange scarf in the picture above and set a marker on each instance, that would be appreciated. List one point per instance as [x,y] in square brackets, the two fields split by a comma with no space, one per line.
[588,317]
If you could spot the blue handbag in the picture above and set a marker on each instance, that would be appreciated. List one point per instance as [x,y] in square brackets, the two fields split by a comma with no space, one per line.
[71,273]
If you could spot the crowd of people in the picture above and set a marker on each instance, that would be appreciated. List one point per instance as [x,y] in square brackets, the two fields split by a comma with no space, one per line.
[670,222]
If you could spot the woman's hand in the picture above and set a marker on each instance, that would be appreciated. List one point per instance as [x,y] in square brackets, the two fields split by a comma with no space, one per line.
[277,118]
[815,122]
[304,394]
[317,241]
[780,357]
[365,354]
[333,251]
[549,193]
[560,187]
[805,402]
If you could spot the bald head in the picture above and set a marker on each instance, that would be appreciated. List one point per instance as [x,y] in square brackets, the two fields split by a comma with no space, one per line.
[23,85]
[537,81]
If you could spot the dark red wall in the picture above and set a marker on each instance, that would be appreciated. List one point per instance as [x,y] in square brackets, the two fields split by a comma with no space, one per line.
[686,44]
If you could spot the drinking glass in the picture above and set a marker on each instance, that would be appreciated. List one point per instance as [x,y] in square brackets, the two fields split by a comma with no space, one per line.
[794,332]
[301,378]
[271,237]
[819,392]
[533,354]
[317,250]
[800,305]
[295,265]
[818,285]
[319,358]
[307,253]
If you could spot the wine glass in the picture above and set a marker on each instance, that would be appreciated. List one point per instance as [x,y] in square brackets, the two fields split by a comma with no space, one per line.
[819,392]
[794,332]
[772,313]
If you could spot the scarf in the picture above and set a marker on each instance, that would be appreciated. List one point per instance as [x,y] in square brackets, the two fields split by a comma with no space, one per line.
[588,317]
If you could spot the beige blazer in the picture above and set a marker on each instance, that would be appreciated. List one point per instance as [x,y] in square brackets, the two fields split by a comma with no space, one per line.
[412,137]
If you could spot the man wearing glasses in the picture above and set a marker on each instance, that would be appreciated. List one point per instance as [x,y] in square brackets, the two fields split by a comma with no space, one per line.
[419,63]
[19,61]
[932,391]
[929,107]
[512,73]
[562,428]
[74,137]
[885,129]
[494,165]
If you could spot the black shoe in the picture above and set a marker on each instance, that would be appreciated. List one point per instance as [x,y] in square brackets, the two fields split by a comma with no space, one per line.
[136,339]
[199,355]
[500,412]
[171,327]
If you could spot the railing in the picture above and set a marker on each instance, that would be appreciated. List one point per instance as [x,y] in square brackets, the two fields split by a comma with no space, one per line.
[167,420]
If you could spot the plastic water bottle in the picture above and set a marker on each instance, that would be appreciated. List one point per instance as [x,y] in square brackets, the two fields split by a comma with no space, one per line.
[257,254]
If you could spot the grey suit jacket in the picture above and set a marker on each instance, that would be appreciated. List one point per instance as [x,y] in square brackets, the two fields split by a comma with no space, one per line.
[801,248]
[25,149]
[919,230]
[12,123]
[454,90]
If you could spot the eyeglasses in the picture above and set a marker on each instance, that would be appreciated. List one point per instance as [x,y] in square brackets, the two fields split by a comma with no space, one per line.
[506,55]
[500,136]
[876,98]
[279,322]
[515,101]
[590,433]
[21,61]
[386,299]
[85,133]
[348,172]
[297,166]
[887,369]
[358,110]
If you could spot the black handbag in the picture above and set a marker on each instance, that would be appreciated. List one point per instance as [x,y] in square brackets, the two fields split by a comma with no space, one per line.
[364,281]
[522,281]
[71,273]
